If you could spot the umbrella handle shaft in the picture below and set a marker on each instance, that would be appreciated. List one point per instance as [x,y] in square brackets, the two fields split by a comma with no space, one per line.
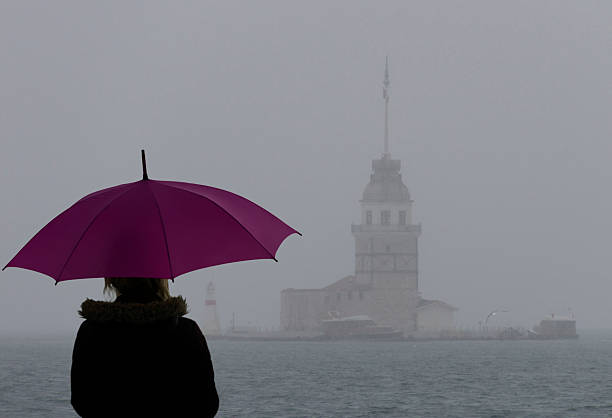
[145,176]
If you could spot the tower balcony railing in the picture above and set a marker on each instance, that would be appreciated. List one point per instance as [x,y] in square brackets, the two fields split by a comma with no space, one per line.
[414,228]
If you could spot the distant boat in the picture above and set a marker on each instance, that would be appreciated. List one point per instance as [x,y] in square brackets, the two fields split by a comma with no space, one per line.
[358,327]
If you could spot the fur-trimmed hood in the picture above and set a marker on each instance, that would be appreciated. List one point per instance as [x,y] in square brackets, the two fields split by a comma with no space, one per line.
[133,313]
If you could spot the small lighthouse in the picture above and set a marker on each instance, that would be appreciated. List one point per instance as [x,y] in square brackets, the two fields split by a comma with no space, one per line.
[211,318]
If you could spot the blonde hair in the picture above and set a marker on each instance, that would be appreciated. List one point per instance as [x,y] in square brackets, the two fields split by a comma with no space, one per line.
[137,285]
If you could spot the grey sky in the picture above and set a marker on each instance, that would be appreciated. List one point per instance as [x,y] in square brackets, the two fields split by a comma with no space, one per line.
[499,113]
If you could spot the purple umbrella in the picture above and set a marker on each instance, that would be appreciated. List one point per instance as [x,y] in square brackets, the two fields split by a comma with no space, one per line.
[151,228]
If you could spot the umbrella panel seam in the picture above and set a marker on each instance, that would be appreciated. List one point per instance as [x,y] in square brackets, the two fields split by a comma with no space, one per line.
[59,277]
[227,212]
[163,225]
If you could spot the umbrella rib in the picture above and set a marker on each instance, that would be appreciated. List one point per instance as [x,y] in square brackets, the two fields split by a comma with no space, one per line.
[163,225]
[230,215]
[87,229]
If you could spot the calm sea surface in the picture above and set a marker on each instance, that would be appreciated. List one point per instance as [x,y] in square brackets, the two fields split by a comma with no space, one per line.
[349,379]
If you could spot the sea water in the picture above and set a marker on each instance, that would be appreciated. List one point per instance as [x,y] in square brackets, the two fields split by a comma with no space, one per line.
[570,378]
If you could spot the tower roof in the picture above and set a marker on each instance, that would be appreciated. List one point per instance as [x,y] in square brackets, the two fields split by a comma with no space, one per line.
[386,183]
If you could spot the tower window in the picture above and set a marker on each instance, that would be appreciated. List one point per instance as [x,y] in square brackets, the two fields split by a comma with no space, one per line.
[360,295]
[368,217]
[385,217]
[402,217]
[350,295]
[338,296]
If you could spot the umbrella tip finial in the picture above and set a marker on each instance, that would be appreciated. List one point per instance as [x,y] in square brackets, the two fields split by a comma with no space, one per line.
[145,176]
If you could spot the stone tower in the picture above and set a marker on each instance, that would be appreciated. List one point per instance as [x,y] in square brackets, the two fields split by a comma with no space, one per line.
[386,242]
[211,318]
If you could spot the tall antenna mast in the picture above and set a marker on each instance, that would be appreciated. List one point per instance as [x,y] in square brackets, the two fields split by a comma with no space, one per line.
[386,98]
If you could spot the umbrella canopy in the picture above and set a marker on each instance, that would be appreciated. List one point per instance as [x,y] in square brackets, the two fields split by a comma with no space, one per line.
[151,228]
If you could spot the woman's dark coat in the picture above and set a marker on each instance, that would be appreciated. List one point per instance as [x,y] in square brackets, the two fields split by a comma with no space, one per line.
[141,360]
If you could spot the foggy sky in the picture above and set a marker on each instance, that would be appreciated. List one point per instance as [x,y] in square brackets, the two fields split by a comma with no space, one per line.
[499,112]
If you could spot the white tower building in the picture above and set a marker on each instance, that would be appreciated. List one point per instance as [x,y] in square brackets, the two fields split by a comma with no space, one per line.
[385,286]
[211,318]
[386,241]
